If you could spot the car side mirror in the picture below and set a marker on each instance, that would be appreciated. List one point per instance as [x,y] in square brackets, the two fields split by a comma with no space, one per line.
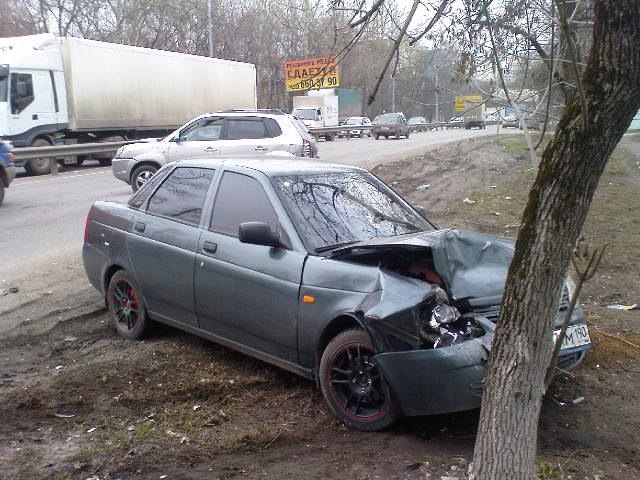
[258,233]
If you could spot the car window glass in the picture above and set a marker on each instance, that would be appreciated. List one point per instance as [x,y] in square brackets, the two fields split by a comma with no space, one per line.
[240,198]
[206,129]
[334,208]
[21,91]
[181,196]
[241,128]
[143,193]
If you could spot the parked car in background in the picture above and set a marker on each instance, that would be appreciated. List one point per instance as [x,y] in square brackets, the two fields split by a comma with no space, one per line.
[7,168]
[510,121]
[320,269]
[455,122]
[417,124]
[390,125]
[215,135]
[356,132]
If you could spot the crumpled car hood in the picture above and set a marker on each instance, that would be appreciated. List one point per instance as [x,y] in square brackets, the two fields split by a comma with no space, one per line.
[472,265]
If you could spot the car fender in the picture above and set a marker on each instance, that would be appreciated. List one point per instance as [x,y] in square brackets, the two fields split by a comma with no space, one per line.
[155,158]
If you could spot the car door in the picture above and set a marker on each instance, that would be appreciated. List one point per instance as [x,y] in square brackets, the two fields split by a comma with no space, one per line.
[248,293]
[163,241]
[200,138]
[250,135]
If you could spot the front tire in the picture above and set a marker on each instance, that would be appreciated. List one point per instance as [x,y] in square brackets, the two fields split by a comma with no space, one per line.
[126,307]
[38,166]
[141,175]
[353,386]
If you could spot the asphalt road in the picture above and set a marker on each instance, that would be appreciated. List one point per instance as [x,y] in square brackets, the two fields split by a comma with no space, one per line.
[44,215]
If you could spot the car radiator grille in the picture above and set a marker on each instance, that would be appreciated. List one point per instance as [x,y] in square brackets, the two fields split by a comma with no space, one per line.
[493,312]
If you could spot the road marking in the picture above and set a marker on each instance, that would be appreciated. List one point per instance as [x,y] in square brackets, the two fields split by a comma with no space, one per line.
[58,177]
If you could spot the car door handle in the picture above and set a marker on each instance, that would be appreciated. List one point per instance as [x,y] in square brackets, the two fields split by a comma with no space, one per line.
[139,227]
[210,247]
[34,116]
[260,149]
[211,149]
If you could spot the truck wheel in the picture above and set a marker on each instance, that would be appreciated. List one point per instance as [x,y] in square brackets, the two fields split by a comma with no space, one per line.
[353,386]
[105,158]
[141,174]
[377,137]
[38,166]
[329,138]
[407,135]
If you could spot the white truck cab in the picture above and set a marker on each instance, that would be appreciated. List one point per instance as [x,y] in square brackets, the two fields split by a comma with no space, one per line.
[32,89]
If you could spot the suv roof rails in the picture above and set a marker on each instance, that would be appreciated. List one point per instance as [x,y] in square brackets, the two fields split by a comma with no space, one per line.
[273,111]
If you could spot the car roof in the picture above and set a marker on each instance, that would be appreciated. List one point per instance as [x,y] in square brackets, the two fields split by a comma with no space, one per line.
[244,113]
[272,165]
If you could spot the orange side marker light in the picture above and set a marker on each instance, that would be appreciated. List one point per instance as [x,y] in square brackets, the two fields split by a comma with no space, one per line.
[308,299]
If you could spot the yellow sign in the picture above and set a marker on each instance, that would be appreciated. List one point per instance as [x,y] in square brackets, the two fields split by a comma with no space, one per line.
[321,72]
[462,99]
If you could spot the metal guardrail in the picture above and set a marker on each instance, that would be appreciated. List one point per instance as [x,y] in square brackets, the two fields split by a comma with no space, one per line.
[24,154]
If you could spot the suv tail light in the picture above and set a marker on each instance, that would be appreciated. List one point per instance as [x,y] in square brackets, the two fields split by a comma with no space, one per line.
[306,148]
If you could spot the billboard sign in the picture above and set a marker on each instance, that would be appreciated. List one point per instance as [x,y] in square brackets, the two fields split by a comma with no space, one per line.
[312,73]
[461,100]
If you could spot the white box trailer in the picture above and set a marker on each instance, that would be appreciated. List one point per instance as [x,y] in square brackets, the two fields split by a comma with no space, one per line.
[67,90]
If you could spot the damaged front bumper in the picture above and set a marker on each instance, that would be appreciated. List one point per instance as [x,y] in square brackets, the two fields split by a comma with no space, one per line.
[440,380]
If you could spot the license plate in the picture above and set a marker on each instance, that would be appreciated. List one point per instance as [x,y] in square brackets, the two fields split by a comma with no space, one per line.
[576,336]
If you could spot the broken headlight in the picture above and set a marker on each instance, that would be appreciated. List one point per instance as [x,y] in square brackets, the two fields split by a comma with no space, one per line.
[444,326]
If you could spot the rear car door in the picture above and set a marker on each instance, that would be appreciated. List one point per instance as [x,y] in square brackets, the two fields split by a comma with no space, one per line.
[199,139]
[163,240]
[248,293]
[251,135]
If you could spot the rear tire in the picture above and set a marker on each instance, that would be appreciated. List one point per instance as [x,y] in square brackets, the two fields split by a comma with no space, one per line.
[1,191]
[353,386]
[126,307]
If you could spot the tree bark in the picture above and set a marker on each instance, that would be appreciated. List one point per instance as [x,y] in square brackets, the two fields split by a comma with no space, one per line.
[553,218]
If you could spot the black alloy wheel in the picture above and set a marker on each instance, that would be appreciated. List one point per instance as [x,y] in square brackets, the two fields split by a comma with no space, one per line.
[352,384]
[126,307]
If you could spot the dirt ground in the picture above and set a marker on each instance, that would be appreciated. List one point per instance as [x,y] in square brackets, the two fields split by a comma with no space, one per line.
[77,402]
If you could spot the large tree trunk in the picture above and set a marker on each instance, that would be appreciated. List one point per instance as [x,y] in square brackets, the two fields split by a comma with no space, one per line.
[558,204]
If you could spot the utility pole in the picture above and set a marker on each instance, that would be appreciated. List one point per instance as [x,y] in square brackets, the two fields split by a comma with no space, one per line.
[437,99]
[210,27]
[393,93]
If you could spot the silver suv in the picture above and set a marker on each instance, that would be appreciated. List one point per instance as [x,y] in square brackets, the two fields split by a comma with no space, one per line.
[223,134]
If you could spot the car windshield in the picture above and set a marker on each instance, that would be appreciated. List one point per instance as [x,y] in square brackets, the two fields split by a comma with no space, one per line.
[333,209]
[386,118]
[353,121]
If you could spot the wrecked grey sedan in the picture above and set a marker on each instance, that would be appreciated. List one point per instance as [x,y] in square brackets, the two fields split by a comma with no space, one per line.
[320,269]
